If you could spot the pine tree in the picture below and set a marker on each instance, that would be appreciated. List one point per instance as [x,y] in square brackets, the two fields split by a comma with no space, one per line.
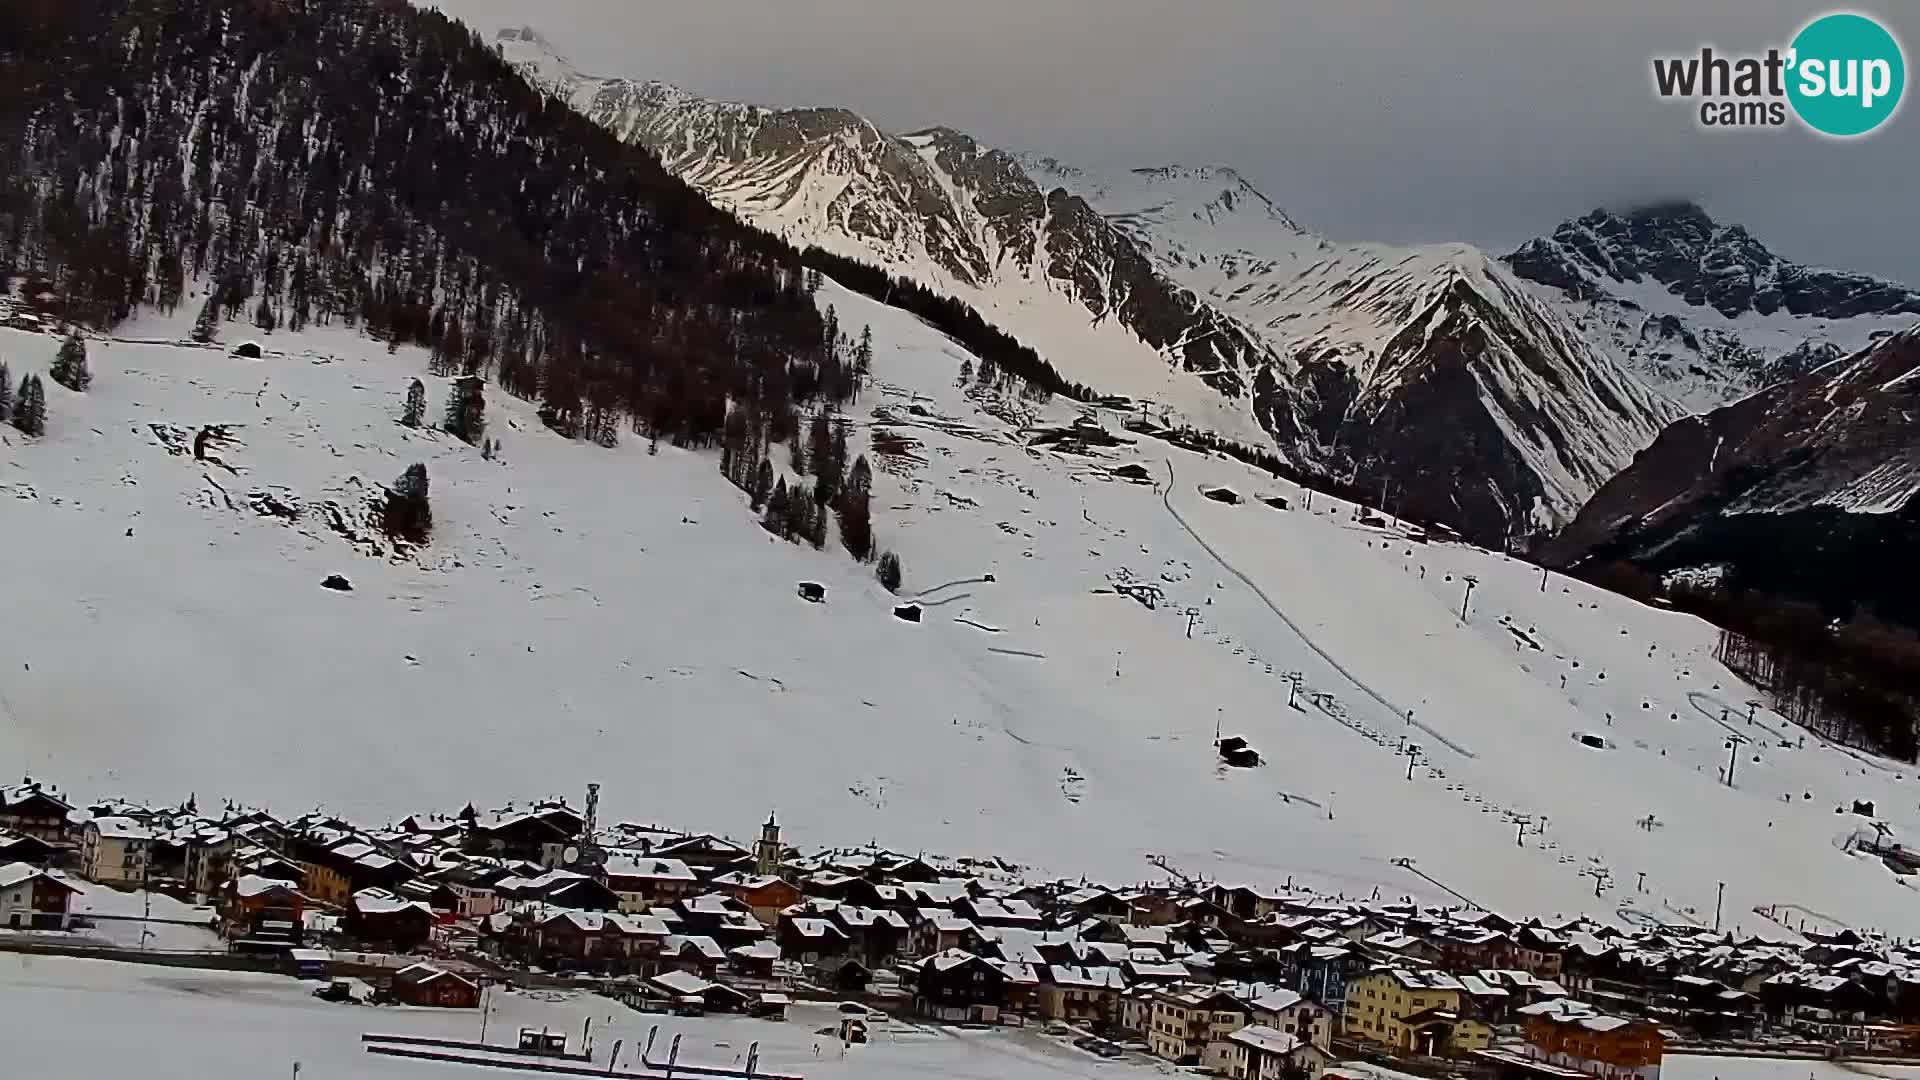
[816,525]
[798,447]
[415,413]
[889,572]
[487,449]
[263,316]
[70,365]
[856,518]
[409,514]
[6,392]
[208,323]
[466,417]
[833,329]
[776,516]
[863,353]
[820,450]
[30,407]
[762,483]
[966,372]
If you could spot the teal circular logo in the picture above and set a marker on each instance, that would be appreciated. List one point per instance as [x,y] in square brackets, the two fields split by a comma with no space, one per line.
[1847,75]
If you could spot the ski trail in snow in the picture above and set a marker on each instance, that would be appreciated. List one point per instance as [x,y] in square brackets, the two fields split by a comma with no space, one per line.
[1166,497]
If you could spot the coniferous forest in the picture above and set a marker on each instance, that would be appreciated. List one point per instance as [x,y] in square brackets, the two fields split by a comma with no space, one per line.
[369,164]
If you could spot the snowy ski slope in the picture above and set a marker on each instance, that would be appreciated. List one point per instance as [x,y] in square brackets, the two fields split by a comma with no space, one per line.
[586,614]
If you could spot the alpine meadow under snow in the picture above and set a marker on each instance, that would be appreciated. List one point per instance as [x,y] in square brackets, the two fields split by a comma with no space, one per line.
[584,613]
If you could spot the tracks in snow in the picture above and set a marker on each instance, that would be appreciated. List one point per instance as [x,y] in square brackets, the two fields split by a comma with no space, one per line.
[1166,499]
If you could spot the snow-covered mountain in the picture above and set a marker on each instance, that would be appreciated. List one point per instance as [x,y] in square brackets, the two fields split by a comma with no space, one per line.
[1430,372]
[585,613]
[1809,488]
[1703,310]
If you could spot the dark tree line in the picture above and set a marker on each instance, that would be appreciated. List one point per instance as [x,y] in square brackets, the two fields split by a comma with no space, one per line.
[1855,681]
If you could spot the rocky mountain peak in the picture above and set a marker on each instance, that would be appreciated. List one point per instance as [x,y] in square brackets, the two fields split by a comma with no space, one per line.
[1677,244]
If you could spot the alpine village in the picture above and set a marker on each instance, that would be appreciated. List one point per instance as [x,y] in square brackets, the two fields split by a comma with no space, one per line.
[1251,982]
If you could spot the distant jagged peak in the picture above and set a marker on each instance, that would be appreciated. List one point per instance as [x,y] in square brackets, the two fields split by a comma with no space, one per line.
[1704,262]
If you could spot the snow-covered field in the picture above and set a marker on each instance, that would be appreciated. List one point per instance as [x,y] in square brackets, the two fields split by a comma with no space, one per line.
[73,1019]
[586,614]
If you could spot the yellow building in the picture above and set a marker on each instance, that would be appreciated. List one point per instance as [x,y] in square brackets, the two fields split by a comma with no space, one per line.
[325,884]
[1414,1012]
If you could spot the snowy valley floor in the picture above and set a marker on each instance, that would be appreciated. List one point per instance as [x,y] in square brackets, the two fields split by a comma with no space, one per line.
[589,614]
[71,1019]
[88,1019]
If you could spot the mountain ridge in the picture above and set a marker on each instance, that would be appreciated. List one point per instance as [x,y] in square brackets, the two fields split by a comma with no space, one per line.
[1131,286]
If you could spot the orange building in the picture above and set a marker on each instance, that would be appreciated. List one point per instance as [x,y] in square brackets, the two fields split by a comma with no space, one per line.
[1575,1035]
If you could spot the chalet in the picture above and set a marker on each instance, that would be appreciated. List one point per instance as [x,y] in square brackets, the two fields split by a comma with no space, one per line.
[472,886]
[558,888]
[754,961]
[35,810]
[844,888]
[810,940]
[1815,997]
[681,985]
[642,881]
[1485,998]
[1185,1022]
[116,851]
[938,930]
[874,936]
[260,862]
[424,984]
[695,953]
[1390,945]
[1258,1052]
[998,911]
[1095,904]
[262,913]
[566,939]
[439,898]
[910,869]
[1294,1014]
[1080,994]
[1539,950]
[1575,1035]
[706,851]
[1154,972]
[376,917]
[21,848]
[541,833]
[765,896]
[33,899]
[843,975]
[959,987]
[1472,947]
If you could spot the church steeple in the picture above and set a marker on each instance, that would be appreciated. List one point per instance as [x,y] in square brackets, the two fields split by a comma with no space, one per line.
[766,854]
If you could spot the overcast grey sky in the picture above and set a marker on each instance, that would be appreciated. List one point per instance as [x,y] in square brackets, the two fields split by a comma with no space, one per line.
[1396,120]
